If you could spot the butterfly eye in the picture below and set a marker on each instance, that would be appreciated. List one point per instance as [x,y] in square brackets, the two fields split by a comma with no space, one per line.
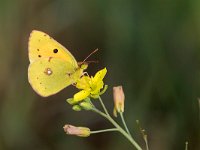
[55,50]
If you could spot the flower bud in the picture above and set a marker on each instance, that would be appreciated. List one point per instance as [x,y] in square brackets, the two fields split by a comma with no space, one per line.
[86,105]
[71,101]
[119,98]
[78,131]
[76,108]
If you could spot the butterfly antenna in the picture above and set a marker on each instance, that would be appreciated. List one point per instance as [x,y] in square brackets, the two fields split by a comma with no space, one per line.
[92,61]
[90,55]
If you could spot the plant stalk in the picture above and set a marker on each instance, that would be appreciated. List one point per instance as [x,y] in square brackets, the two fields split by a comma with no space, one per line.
[119,128]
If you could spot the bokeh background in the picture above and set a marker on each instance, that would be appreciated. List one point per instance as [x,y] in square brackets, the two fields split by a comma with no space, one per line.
[152,48]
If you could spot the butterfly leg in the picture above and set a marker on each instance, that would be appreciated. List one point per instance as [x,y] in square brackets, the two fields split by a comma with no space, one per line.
[84,73]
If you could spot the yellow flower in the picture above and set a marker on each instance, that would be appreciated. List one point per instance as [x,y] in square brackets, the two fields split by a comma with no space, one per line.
[90,86]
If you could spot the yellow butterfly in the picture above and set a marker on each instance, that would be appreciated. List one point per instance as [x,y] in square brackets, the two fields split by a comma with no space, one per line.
[52,67]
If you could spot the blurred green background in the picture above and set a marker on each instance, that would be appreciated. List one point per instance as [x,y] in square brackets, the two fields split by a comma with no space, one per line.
[152,48]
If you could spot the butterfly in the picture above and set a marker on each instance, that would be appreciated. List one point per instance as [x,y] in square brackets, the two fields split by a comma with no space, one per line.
[52,67]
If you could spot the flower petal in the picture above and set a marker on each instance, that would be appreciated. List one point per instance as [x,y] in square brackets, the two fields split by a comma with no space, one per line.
[100,75]
[83,83]
[81,95]
[97,87]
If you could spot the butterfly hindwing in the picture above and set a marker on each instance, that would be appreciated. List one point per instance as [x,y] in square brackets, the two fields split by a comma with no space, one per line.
[50,75]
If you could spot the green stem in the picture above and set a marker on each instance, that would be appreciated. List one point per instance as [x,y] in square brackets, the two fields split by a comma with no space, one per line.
[105,130]
[147,145]
[123,121]
[104,108]
[199,108]
[118,127]
[186,145]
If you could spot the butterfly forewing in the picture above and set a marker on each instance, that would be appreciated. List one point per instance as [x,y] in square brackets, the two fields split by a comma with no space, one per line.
[42,46]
